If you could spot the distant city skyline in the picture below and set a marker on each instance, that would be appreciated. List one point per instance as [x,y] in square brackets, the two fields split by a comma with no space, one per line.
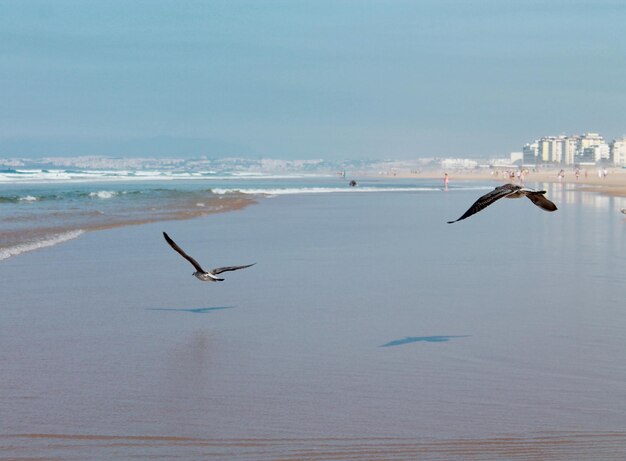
[586,148]
[340,79]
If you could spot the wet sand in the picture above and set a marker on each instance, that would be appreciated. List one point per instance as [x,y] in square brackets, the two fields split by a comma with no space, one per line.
[13,240]
[369,329]
[550,446]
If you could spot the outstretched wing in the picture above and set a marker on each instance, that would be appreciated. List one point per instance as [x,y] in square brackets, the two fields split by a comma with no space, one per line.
[538,199]
[219,270]
[488,199]
[182,253]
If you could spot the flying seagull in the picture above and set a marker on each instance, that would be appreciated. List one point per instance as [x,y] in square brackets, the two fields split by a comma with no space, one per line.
[508,191]
[201,274]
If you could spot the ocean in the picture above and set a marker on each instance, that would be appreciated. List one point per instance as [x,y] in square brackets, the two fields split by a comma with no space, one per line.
[40,208]
[368,329]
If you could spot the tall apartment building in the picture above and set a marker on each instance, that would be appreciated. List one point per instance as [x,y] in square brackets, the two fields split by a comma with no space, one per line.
[530,152]
[618,152]
[595,154]
[552,149]
[543,150]
[567,150]
[557,149]
[591,148]
[588,140]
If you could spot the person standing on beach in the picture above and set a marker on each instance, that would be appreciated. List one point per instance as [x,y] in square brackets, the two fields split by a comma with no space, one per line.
[445,181]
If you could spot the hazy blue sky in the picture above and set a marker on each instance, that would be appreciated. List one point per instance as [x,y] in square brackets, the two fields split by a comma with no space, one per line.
[307,79]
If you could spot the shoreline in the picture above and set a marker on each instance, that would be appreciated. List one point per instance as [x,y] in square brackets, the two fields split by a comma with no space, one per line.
[613,184]
[47,237]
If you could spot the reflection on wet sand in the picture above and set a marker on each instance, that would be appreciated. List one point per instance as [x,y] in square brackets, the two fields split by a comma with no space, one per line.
[186,374]
[570,194]
[551,446]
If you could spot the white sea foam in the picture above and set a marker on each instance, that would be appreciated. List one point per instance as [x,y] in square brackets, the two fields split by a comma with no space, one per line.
[320,190]
[28,198]
[48,242]
[43,176]
[256,175]
[103,194]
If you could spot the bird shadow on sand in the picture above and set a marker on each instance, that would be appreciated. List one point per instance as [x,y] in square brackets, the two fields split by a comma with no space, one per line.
[198,310]
[419,339]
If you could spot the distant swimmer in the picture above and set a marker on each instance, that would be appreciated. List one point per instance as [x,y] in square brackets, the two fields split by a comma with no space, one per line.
[352,183]
[509,191]
[200,273]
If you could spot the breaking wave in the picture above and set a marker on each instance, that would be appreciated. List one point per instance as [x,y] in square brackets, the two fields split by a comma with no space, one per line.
[35,176]
[103,194]
[47,242]
[319,190]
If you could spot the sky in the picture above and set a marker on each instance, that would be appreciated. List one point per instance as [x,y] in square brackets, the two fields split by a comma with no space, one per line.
[292,79]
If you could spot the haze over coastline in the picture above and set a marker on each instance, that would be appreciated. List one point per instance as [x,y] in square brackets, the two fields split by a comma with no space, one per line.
[297,79]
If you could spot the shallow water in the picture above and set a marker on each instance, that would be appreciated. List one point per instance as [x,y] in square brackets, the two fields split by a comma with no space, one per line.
[37,211]
[368,329]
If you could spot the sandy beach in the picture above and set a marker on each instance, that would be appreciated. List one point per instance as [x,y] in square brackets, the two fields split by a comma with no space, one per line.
[273,231]
[613,184]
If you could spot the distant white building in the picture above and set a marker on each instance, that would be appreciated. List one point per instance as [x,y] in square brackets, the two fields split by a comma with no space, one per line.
[551,149]
[602,152]
[618,152]
[589,139]
[458,163]
[517,157]
[586,150]
[501,163]
[530,152]
[567,150]
[557,146]
[543,149]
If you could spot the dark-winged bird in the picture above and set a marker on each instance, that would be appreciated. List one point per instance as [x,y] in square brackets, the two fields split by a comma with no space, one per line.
[509,191]
[200,273]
